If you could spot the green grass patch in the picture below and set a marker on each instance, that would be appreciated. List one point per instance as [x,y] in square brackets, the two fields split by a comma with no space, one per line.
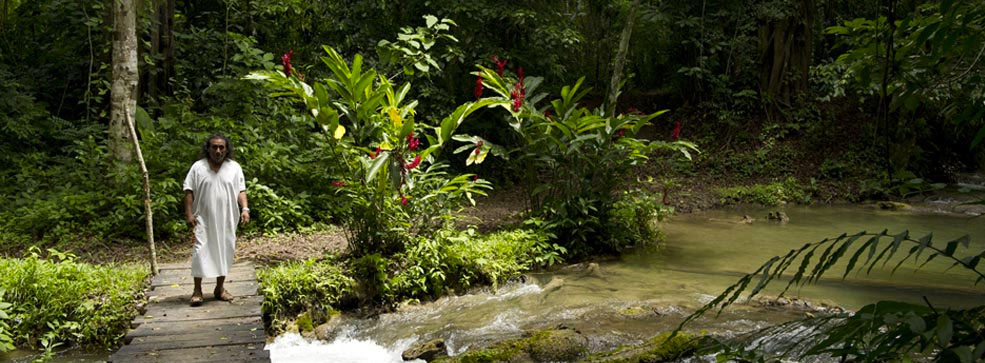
[453,260]
[57,301]
[773,194]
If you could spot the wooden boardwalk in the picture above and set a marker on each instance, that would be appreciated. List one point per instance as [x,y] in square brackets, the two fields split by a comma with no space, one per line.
[172,331]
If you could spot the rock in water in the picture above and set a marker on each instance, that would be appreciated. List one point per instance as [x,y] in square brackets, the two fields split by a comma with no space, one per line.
[426,351]
[894,205]
[329,329]
[747,219]
[553,285]
[778,216]
[593,269]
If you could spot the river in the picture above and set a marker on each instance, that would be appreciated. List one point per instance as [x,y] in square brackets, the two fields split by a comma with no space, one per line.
[649,291]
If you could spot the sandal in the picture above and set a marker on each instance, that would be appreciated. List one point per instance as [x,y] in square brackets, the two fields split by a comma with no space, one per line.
[224,296]
[196,300]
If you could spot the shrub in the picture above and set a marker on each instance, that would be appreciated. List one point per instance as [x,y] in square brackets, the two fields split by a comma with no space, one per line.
[573,160]
[634,217]
[315,285]
[772,194]
[59,301]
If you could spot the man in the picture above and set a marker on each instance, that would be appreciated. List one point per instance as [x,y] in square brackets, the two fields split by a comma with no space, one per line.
[213,187]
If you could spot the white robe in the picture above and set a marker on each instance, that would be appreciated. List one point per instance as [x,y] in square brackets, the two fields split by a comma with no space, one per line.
[216,208]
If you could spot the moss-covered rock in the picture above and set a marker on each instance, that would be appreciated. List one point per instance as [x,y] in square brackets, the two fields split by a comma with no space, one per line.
[554,345]
[661,348]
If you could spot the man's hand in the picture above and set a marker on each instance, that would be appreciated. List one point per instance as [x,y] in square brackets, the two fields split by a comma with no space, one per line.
[191,221]
[244,217]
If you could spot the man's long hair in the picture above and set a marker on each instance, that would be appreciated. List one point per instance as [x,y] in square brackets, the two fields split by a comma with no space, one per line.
[229,146]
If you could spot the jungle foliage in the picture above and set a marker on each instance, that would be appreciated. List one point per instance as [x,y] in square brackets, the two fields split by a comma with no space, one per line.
[52,300]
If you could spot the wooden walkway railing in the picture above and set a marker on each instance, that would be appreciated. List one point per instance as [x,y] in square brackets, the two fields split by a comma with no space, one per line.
[172,331]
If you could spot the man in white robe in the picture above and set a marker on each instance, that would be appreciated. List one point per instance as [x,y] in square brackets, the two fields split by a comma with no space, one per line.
[215,190]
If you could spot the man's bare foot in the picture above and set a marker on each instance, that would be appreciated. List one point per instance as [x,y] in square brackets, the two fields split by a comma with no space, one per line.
[196,299]
[223,296]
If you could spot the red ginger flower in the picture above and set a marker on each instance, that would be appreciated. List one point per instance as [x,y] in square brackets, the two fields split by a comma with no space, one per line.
[478,87]
[499,65]
[373,155]
[286,61]
[677,131]
[413,164]
[478,147]
[519,73]
[517,100]
[412,142]
[621,132]
[403,200]
[338,184]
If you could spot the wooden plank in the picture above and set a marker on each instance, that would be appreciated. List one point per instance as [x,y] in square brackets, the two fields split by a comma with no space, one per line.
[235,274]
[196,326]
[243,352]
[194,340]
[186,265]
[179,309]
[237,288]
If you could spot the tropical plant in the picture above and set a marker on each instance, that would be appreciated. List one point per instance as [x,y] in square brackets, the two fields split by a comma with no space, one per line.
[572,160]
[384,163]
[882,331]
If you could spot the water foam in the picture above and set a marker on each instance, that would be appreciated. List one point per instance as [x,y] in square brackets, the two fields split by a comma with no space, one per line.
[292,347]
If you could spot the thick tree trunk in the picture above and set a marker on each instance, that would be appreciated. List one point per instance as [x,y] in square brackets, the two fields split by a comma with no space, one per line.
[123,101]
[786,54]
[620,60]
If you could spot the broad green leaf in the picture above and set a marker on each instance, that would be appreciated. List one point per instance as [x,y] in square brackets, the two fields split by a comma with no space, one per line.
[375,167]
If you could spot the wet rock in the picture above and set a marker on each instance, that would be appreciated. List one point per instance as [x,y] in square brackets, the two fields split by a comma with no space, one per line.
[638,311]
[555,284]
[561,344]
[747,219]
[330,329]
[660,348]
[778,216]
[593,269]
[887,205]
[428,350]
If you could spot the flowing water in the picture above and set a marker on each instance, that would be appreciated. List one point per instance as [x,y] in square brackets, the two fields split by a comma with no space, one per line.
[650,291]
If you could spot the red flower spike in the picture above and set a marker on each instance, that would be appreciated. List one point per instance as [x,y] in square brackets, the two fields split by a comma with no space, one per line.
[519,72]
[412,142]
[478,87]
[478,147]
[475,178]
[338,184]
[413,164]
[677,131]
[517,103]
[285,60]
[500,65]
[622,133]
[373,155]
[403,200]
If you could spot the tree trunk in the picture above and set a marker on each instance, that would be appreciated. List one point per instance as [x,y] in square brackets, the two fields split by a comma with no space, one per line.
[123,101]
[148,211]
[786,54]
[620,60]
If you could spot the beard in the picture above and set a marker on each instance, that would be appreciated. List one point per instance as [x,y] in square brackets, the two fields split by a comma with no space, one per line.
[217,157]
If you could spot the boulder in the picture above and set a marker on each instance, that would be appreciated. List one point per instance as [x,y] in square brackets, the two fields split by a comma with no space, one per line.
[560,344]
[593,269]
[428,350]
[747,219]
[330,329]
[778,216]
[554,285]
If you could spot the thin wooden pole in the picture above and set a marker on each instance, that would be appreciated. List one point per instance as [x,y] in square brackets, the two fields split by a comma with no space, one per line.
[147,201]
